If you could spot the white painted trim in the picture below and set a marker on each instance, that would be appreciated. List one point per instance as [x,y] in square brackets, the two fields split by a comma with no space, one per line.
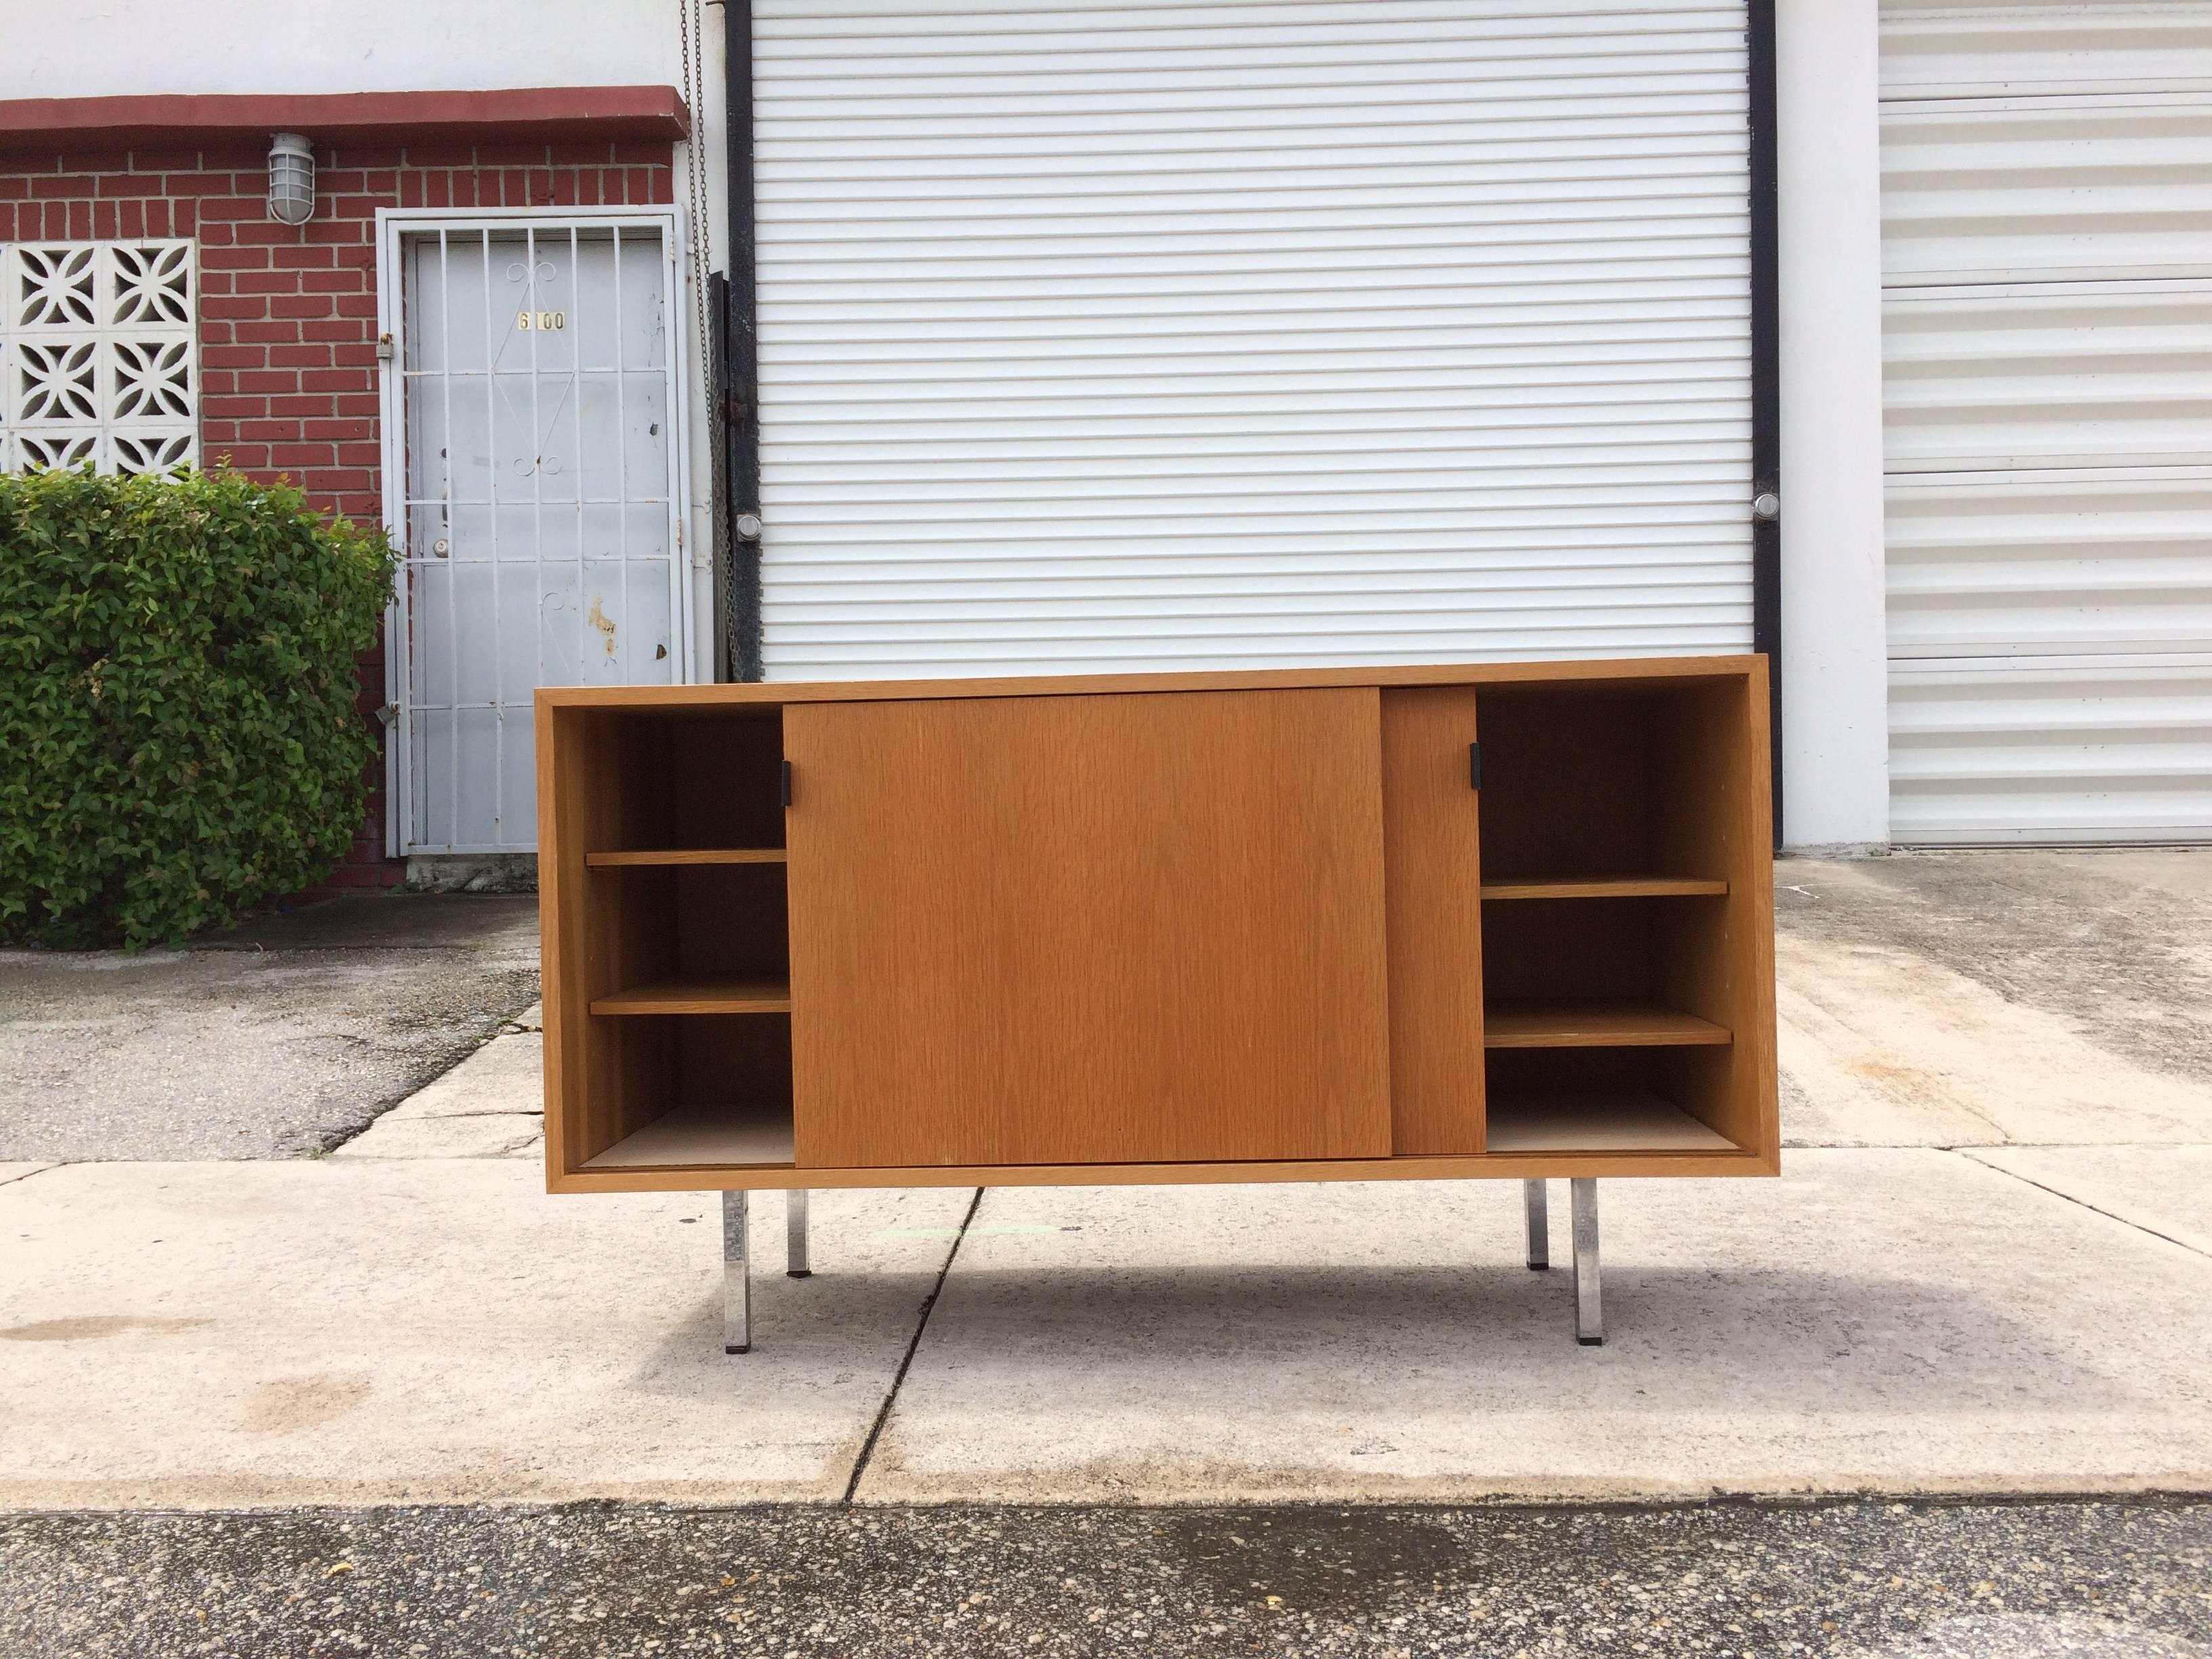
[391,461]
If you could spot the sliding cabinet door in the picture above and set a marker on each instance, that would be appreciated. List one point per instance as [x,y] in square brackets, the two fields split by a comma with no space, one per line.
[1088,929]
[1432,845]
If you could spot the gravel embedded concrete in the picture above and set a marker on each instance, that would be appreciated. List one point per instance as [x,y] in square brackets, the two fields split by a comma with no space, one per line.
[1854,1581]
[283,1038]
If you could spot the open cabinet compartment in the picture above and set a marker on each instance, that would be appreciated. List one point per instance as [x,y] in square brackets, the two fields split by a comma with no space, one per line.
[676,940]
[1594,785]
[687,786]
[1622,1005]
[710,1090]
[695,939]
[1610,1100]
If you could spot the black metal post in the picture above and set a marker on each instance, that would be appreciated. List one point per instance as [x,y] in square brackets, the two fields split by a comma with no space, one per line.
[740,362]
[1766,378]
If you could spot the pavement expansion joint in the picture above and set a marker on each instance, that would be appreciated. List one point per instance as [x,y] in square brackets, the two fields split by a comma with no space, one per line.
[906,1360]
[2125,1221]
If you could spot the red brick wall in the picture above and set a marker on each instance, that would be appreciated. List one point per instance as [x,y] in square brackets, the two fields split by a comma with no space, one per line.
[288,313]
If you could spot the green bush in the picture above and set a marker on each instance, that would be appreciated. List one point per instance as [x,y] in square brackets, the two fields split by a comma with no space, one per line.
[179,737]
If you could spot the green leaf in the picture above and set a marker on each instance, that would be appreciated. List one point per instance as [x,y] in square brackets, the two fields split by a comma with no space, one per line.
[178,684]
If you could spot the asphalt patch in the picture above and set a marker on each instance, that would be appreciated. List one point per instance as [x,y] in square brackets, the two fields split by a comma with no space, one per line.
[2116,942]
[284,1039]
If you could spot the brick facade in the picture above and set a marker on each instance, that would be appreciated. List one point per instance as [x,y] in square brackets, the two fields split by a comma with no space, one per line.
[288,313]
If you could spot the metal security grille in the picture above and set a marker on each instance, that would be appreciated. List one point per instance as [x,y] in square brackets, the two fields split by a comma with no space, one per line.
[536,426]
[1225,332]
[2047,268]
[98,355]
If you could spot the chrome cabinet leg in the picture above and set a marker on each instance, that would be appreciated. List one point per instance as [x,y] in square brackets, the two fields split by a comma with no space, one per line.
[1535,1195]
[736,1277]
[795,1233]
[1590,1313]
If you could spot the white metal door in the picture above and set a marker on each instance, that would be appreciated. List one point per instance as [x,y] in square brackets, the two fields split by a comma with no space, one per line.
[1218,333]
[543,466]
[2047,257]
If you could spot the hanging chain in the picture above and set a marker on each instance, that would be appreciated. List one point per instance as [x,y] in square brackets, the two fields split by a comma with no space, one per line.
[689,24]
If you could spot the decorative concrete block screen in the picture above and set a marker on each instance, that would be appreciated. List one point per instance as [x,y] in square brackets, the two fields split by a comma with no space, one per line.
[98,355]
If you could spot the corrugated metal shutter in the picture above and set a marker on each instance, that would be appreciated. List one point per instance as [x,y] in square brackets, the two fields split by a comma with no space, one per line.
[1224,332]
[2047,252]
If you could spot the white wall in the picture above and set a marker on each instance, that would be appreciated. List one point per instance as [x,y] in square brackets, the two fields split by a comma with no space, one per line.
[109,48]
[1835,737]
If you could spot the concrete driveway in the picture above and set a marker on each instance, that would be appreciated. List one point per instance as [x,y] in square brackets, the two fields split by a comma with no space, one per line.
[1984,1274]
[1984,1270]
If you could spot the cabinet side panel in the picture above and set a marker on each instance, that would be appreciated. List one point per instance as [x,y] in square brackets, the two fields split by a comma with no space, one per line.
[556,955]
[1121,928]
[1432,863]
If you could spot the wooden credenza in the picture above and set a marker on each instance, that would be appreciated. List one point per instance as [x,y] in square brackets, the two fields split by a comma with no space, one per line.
[1499,919]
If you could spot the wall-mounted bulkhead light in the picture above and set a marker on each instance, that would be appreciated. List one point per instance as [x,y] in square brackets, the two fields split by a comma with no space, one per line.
[291,179]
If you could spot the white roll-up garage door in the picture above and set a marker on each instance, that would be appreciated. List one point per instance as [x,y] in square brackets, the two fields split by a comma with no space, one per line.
[2047,252]
[1232,332]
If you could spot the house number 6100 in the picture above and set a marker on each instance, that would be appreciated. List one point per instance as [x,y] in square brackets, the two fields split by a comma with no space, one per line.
[541,319]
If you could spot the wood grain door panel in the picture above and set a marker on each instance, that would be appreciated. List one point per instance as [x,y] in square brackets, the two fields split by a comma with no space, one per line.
[1115,928]
[1432,850]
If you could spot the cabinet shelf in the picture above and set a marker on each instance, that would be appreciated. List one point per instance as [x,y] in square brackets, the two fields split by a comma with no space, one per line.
[696,1135]
[1595,1023]
[689,855]
[1571,887]
[702,993]
[1623,1121]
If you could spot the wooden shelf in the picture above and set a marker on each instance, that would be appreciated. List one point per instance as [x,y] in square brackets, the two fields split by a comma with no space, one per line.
[700,994]
[1568,887]
[1623,1122]
[1596,1022]
[689,855]
[699,1136]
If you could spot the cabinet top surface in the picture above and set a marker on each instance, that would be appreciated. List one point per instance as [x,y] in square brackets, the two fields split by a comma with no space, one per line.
[1623,669]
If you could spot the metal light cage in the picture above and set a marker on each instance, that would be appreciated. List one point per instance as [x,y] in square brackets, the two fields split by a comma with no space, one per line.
[291,179]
